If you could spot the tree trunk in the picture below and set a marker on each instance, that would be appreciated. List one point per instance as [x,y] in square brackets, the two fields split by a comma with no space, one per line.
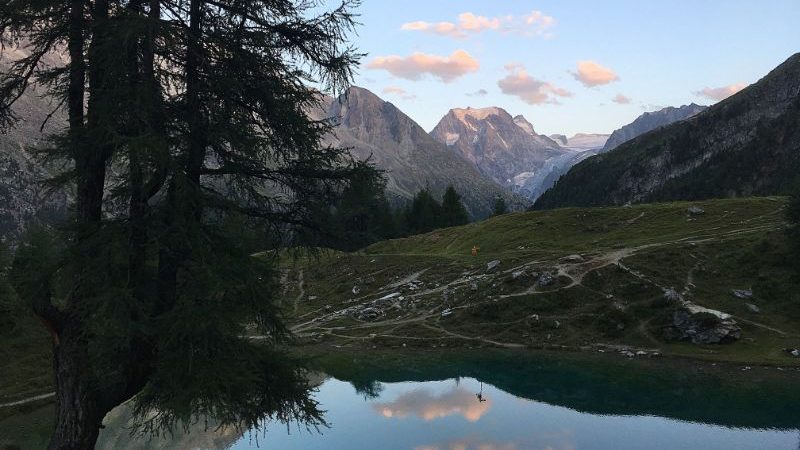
[79,410]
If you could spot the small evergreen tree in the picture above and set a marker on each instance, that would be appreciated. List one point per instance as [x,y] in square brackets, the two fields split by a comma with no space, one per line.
[453,211]
[363,215]
[500,207]
[425,213]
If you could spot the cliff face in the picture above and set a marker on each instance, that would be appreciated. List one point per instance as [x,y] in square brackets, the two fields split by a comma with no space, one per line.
[748,144]
[504,148]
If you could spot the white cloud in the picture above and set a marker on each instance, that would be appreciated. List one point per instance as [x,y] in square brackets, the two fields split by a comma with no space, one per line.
[592,74]
[417,65]
[721,93]
[532,91]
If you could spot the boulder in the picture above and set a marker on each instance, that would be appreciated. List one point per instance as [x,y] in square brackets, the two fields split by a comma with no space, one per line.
[473,286]
[491,266]
[573,259]
[695,210]
[518,274]
[742,293]
[702,326]
[545,279]
[752,308]
[356,290]
[368,314]
[671,295]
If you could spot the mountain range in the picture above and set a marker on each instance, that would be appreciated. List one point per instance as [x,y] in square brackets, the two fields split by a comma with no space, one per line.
[411,158]
[747,144]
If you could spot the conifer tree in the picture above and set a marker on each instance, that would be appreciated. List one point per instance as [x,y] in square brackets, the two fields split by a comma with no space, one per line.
[500,207]
[183,116]
[453,211]
[425,213]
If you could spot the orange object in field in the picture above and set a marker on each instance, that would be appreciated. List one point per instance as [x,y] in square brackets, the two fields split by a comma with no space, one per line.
[475,249]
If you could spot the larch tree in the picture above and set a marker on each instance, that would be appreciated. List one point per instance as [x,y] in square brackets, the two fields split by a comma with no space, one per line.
[453,211]
[183,117]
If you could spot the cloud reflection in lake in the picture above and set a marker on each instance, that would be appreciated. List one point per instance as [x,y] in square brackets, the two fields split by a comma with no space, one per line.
[429,406]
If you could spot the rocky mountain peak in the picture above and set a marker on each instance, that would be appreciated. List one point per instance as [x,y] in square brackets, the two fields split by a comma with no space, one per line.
[523,123]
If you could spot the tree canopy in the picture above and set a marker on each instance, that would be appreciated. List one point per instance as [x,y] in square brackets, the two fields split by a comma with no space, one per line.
[187,131]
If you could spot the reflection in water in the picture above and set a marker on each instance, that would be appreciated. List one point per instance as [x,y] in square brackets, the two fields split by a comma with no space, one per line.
[539,405]
[470,445]
[440,415]
[428,406]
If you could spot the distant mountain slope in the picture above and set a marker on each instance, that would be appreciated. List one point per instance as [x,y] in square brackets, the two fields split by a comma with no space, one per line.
[748,144]
[23,197]
[504,148]
[581,141]
[413,160]
[649,121]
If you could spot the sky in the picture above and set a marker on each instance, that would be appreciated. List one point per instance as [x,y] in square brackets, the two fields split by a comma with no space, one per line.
[568,66]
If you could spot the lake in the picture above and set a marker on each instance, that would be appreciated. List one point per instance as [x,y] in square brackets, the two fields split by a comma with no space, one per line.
[506,401]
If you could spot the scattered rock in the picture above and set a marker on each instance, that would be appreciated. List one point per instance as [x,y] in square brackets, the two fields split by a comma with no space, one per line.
[517,274]
[573,259]
[356,290]
[368,314]
[312,297]
[491,266]
[447,312]
[473,286]
[545,279]
[556,324]
[695,211]
[752,308]
[641,353]
[742,293]
[792,352]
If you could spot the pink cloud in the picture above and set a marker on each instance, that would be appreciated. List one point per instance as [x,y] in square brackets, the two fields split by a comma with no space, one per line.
[415,66]
[400,92]
[592,74]
[720,93]
[536,23]
[621,99]
[532,91]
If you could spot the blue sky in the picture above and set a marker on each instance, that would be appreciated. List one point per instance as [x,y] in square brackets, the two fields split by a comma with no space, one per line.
[525,55]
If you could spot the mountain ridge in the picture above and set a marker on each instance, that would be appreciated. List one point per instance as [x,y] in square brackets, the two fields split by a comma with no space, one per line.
[747,144]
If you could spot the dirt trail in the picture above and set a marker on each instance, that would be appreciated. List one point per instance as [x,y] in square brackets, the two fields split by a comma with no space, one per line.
[24,401]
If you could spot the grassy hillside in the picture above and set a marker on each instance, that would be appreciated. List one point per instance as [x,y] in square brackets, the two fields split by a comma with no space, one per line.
[610,268]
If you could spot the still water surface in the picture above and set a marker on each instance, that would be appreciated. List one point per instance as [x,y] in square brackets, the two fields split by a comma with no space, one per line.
[508,403]
[447,415]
